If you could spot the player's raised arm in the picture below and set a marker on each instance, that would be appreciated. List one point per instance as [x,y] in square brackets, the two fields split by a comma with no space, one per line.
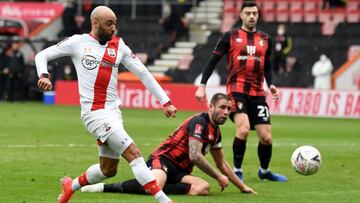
[132,63]
[221,48]
[224,167]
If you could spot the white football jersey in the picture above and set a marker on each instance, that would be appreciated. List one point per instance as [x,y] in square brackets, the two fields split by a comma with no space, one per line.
[97,69]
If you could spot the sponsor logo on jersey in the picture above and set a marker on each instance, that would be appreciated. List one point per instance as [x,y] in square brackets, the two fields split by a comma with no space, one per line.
[238,40]
[241,57]
[251,50]
[89,62]
[111,52]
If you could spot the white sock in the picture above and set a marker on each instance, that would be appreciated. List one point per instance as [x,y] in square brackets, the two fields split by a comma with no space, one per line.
[141,172]
[93,175]
[263,171]
[162,197]
[237,169]
[144,175]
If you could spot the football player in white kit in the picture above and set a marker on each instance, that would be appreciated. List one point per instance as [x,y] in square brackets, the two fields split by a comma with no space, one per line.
[96,57]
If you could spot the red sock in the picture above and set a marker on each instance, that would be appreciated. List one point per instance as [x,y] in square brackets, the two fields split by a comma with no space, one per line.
[152,187]
[83,179]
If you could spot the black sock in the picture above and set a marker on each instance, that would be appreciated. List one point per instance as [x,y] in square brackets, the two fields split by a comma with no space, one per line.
[264,153]
[129,186]
[239,147]
[177,188]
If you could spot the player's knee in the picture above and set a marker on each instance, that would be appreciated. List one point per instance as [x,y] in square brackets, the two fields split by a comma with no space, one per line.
[243,131]
[109,172]
[266,140]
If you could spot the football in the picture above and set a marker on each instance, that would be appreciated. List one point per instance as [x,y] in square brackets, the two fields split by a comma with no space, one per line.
[306,160]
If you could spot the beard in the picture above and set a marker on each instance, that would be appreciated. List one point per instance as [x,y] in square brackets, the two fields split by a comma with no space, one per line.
[103,36]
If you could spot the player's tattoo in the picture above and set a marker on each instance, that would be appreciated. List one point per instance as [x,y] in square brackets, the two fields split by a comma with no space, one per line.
[198,158]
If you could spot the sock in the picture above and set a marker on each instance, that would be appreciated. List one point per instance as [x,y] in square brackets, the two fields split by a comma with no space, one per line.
[263,171]
[144,176]
[92,175]
[264,153]
[130,186]
[237,169]
[177,188]
[239,147]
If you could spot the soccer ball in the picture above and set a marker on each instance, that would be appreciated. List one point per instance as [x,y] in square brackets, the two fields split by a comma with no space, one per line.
[306,160]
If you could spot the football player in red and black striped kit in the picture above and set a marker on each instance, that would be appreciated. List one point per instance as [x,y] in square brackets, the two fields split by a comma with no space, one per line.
[173,161]
[249,62]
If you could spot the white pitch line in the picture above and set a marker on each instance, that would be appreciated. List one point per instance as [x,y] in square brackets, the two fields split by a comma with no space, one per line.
[72,145]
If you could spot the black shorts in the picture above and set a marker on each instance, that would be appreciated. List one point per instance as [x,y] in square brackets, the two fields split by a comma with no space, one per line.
[174,173]
[254,106]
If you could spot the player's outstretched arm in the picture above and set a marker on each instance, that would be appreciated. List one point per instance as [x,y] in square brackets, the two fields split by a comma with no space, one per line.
[224,167]
[199,160]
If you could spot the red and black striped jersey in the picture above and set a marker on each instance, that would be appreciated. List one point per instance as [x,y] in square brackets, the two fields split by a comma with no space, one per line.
[248,61]
[176,147]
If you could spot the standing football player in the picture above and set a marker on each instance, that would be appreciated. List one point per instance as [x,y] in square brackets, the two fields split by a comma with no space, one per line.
[96,57]
[248,61]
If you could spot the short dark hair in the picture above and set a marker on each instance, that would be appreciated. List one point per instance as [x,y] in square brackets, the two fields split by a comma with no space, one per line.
[249,4]
[219,96]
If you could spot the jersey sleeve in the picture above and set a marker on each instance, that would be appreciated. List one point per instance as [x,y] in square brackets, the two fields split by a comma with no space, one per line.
[63,48]
[218,144]
[132,63]
[222,47]
[198,129]
[267,65]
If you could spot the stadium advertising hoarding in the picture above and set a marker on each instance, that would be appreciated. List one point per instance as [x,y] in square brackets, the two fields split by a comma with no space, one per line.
[292,101]
[29,11]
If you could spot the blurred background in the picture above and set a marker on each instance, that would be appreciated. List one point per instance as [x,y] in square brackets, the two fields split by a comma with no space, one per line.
[316,42]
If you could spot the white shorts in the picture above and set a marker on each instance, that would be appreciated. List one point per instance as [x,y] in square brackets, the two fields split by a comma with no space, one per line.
[104,123]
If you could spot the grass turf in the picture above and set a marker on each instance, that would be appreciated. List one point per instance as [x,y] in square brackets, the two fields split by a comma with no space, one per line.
[40,144]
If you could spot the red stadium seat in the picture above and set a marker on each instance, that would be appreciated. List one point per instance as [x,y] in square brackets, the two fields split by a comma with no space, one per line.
[268,5]
[325,15]
[353,16]
[282,16]
[268,16]
[352,5]
[310,5]
[282,5]
[310,16]
[296,16]
[296,5]
[339,15]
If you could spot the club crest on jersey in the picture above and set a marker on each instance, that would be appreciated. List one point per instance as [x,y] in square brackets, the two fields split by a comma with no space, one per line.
[239,105]
[261,42]
[111,52]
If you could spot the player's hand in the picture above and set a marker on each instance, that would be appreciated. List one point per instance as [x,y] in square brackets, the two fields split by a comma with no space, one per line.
[247,189]
[223,182]
[44,84]
[170,111]
[200,93]
[275,92]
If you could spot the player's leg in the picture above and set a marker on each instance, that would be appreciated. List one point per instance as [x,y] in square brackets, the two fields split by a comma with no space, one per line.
[129,186]
[198,186]
[240,118]
[142,173]
[260,117]
[94,174]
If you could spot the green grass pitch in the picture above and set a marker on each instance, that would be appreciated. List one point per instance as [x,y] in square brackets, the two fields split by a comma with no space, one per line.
[39,144]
